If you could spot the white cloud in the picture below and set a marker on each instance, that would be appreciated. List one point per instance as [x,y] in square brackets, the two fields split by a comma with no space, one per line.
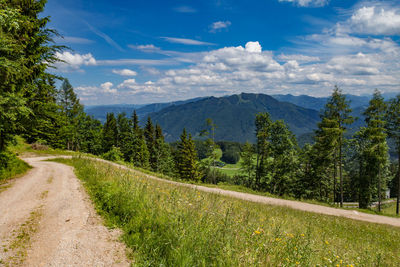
[127,83]
[375,20]
[306,3]
[107,88]
[150,48]
[125,72]
[185,41]
[219,25]
[73,62]
[298,58]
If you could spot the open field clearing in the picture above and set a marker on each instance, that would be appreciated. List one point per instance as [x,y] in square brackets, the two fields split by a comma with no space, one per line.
[176,226]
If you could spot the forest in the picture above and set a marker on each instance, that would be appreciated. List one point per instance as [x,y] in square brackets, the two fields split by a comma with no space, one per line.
[335,168]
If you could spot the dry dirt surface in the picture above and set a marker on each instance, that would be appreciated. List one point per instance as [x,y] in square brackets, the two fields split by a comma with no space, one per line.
[47,219]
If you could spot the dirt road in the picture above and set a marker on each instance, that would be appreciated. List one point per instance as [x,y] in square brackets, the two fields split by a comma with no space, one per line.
[47,219]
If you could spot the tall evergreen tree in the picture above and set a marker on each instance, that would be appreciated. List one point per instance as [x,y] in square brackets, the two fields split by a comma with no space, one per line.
[26,51]
[125,136]
[149,134]
[337,115]
[393,127]
[110,133]
[186,159]
[72,112]
[374,152]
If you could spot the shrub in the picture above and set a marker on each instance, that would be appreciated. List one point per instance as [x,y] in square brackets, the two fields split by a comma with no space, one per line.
[113,155]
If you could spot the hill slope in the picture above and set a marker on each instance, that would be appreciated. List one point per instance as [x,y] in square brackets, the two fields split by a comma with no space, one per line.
[234,116]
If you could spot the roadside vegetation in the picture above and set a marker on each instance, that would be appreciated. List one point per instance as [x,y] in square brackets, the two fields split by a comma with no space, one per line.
[175,226]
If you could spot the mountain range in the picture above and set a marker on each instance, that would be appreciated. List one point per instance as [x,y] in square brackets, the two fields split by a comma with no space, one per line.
[234,115]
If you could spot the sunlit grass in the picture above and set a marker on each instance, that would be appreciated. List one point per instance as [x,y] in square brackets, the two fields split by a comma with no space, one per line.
[176,226]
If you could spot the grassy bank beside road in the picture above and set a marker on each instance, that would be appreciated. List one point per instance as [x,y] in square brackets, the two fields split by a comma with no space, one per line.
[176,226]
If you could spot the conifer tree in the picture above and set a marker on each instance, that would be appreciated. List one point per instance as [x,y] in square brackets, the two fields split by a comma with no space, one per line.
[335,117]
[71,111]
[26,51]
[149,134]
[110,133]
[125,136]
[374,151]
[392,117]
[186,160]
[140,153]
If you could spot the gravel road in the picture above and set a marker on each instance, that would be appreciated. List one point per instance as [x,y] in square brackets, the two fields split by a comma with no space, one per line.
[47,219]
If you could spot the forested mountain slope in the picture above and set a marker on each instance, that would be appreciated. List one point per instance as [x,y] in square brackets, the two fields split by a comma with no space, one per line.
[234,116]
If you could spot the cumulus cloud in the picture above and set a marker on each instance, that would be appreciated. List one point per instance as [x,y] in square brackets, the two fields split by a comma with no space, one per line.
[376,20]
[73,62]
[107,88]
[185,41]
[307,3]
[125,72]
[219,25]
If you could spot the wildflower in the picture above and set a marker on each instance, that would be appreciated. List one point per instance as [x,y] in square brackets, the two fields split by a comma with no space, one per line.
[326,242]
[257,232]
[302,235]
[297,262]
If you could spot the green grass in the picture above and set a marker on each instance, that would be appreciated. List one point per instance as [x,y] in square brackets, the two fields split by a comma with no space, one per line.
[14,167]
[168,225]
[24,149]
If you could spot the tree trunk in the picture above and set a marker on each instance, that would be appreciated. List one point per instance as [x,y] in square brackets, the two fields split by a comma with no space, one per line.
[334,181]
[340,172]
[379,190]
[398,184]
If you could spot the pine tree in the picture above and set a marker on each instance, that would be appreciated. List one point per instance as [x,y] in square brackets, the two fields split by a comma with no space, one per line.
[374,153]
[335,117]
[149,134]
[140,153]
[72,112]
[26,51]
[125,136]
[186,159]
[392,117]
[110,133]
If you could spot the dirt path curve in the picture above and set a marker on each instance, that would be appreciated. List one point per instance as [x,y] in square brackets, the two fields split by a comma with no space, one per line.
[298,205]
[47,219]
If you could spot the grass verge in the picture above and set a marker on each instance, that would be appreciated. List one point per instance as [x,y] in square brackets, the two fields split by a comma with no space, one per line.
[10,167]
[176,226]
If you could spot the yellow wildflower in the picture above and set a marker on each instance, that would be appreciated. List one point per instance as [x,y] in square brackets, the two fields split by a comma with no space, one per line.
[257,232]
[326,242]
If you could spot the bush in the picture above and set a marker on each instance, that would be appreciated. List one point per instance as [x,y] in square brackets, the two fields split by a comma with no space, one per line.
[113,155]
[230,156]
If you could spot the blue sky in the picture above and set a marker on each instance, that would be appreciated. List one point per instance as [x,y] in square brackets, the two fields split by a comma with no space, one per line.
[157,51]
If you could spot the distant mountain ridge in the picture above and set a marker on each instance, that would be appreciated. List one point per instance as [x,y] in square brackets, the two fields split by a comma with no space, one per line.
[234,116]
[100,111]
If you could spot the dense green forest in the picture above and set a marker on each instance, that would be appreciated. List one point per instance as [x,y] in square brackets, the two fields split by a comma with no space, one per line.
[335,168]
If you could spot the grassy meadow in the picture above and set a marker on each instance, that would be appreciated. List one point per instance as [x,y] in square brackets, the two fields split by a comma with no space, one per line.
[167,225]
